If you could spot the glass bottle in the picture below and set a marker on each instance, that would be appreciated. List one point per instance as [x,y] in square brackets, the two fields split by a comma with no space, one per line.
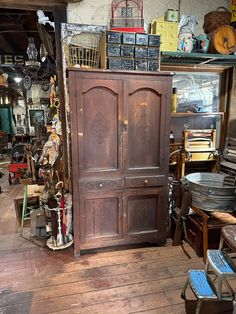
[172,138]
[31,49]
[174,99]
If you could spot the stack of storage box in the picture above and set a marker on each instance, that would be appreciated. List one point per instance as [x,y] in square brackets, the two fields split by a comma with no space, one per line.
[130,51]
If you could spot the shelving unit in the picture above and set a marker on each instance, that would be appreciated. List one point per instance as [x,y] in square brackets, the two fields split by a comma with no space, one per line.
[197,58]
[186,114]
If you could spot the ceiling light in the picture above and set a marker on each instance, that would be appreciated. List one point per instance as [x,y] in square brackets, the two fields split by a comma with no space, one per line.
[17,79]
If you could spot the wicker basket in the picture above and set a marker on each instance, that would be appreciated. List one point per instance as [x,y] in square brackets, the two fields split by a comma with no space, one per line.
[83,50]
[212,20]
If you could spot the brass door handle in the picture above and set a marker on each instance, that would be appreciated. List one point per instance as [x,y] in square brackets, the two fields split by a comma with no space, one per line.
[124,123]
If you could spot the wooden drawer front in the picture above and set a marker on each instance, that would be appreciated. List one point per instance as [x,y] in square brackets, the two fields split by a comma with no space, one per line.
[100,185]
[147,181]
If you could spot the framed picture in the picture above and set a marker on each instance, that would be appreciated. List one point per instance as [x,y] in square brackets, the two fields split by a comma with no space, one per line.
[36,116]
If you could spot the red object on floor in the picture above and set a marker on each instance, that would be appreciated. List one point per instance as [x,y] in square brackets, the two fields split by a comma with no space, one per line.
[13,170]
[128,29]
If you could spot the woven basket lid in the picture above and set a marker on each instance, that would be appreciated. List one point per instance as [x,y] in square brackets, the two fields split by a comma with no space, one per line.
[224,39]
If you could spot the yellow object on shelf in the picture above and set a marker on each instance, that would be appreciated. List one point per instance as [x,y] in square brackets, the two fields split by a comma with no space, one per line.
[168,32]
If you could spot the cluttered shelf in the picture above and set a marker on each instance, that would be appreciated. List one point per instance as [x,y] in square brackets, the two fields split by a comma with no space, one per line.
[197,58]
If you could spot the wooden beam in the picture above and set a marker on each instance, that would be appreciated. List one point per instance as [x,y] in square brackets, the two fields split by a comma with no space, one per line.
[34,5]
[60,16]
[31,5]
[9,47]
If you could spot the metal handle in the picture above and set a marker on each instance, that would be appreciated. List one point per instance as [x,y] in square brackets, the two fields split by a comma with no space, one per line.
[124,123]
[145,181]
[100,185]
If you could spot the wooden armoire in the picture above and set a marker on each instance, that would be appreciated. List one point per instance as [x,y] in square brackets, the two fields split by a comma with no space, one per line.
[120,147]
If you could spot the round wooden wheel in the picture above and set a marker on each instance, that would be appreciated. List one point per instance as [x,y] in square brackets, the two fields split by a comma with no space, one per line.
[223,40]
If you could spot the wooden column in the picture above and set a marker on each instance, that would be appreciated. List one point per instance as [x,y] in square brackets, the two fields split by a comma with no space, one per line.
[60,16]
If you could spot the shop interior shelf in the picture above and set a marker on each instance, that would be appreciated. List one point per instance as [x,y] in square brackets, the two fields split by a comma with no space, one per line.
[197,58]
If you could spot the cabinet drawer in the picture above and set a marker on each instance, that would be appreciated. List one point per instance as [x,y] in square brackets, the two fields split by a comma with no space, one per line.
[100,185]
[144,181]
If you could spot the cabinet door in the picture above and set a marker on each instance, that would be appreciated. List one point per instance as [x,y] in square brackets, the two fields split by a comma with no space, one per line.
[147,119]
[100,218]
[145,214]
[99,106]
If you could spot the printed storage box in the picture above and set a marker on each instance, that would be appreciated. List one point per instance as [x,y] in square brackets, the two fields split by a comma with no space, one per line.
[168,32]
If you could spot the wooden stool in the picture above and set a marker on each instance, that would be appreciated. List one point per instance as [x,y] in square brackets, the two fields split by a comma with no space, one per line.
[228,234]
[201,286]
[207,288]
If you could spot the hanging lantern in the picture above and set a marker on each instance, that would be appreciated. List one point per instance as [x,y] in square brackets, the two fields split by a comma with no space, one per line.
[32,64]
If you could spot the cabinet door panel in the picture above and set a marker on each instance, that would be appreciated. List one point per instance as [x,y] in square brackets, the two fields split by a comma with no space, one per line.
[100,217]
[98,127]
[145,137]
[145,212]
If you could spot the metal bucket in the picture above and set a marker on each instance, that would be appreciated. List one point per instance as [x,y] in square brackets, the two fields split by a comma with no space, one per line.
[208,192]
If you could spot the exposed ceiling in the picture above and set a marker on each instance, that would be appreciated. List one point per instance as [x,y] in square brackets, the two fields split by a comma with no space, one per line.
[16,26]
[35,4]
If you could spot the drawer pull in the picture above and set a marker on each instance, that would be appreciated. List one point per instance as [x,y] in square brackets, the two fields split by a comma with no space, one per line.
[145,181]
[100,185]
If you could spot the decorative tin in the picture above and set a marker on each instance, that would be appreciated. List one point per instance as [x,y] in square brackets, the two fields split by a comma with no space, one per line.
[185,42]
[114,37]
[153,52]
[127,51]
[154,40]
[172,15]
[154,65]
[128,38]
[200,43]
[114,63]
[127,64]
[141,39]
[141,52]
[141,64]
[113,50]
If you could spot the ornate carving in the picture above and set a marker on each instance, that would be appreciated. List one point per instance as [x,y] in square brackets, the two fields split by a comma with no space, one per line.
[142,126]
[100,127]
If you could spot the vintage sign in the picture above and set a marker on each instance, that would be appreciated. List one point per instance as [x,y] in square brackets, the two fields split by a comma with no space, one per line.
[11,60]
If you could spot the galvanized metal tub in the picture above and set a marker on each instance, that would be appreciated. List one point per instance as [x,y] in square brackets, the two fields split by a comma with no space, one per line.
[208,192]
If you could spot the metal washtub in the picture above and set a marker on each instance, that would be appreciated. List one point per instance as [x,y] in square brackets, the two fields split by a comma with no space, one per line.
[209,193]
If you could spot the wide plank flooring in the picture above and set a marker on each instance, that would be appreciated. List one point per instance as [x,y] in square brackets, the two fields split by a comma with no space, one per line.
[135,280]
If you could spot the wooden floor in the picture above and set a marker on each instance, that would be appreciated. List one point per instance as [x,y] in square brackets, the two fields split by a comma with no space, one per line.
[136,280]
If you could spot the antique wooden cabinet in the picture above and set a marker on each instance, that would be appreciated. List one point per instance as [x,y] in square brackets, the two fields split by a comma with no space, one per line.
[120,147]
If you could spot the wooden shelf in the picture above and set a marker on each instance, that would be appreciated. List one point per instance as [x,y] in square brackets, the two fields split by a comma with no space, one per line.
[197,58]
[185,114]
